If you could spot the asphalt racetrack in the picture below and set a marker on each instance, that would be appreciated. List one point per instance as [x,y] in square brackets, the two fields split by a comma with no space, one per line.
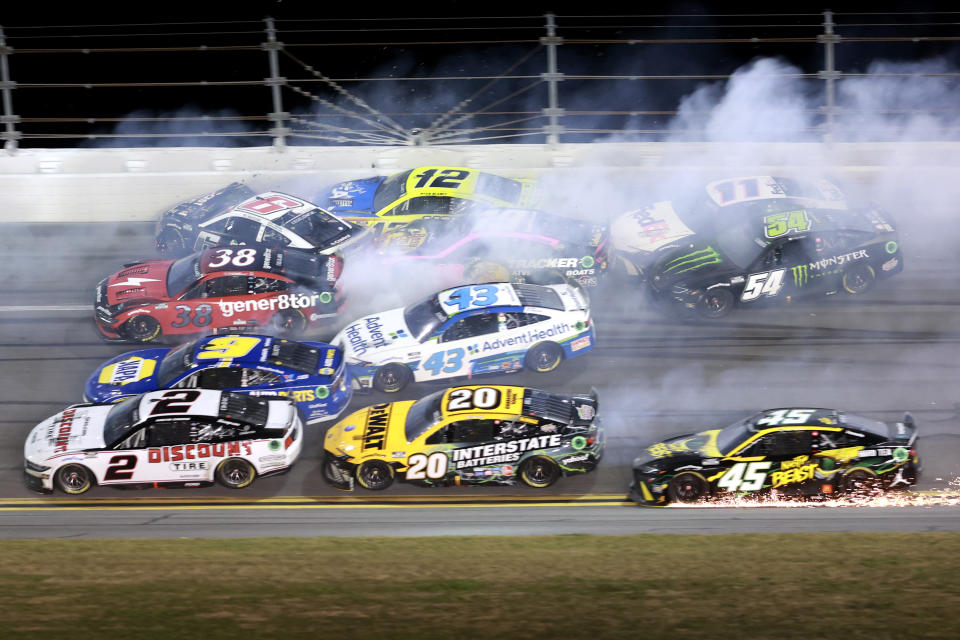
[897,348]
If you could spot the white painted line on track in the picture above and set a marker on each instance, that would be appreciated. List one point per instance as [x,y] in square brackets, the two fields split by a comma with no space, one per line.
[73,308]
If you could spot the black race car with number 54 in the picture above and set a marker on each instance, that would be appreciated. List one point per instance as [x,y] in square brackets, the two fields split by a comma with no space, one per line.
[787,254]
[786,452]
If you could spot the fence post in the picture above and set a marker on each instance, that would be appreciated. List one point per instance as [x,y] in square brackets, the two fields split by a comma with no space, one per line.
[278,117]
[10,134]
[829,74]
[552,77]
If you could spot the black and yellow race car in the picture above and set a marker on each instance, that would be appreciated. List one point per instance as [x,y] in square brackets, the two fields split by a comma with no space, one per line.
[786,452]
[466,435]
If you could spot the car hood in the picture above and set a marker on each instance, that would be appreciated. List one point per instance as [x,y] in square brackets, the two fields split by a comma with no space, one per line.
[354,196]
[77,428]
[130,373]
[374,333]
[376,430]
[683,260]
[648,229]
[143,281]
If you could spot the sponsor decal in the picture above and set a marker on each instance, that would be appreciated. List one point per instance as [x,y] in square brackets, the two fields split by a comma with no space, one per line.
[530,337]
[270,461]
[501,451]
[800,275]
[283,301]
[581,458]
[839,260]
[63,432]
[578,442]
[127,371]
[134,282]
[188,466]
[793,471]
[890,247]
[376,432]
[507,470]
[890,264]
[374,330]
[274,445]
[398,454]
[580,343]
[693,260]
[585,411]
[321,392]
[586,262]
[900,454]
[180,452]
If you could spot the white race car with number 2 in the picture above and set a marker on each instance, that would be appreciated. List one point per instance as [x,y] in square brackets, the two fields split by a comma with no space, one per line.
[467,331]
[180,437]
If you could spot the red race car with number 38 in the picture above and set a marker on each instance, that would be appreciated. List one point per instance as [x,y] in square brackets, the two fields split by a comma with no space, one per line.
[224,289]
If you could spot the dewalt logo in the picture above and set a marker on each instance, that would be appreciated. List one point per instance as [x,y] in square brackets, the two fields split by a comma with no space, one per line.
[800,275]
[694,260]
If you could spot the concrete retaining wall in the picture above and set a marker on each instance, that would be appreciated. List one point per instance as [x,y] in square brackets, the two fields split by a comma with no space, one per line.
[55,185]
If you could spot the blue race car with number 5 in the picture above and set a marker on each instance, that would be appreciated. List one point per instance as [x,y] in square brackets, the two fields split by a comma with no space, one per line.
[467,331]
[312,374]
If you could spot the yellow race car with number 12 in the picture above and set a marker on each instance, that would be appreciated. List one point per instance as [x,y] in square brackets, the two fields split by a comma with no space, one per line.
[466,435]
[423,193]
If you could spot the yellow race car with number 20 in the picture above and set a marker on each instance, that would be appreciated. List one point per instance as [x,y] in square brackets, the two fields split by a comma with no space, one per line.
[466,435]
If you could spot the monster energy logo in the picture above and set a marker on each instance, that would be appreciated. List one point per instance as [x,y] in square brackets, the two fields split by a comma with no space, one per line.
[800,275]
[692,261]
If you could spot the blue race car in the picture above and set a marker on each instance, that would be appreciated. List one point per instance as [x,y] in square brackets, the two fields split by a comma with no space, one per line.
[313,374]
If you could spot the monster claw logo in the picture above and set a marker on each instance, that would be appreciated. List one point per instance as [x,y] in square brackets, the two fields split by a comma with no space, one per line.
[693,260]
[800,275]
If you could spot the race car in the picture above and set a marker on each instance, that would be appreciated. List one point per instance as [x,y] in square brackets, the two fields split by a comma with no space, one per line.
[518,245]
[636,235]
[786,452]
[312,374]
[227,289]
[176,438]
[785,256]
[467,331]
[235,215]
[466,435]
[423,193]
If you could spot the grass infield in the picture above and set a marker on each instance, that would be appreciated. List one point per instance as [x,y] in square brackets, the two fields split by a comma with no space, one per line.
[863,585]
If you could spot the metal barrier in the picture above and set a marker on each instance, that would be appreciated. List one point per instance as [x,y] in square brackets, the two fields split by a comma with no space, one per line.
[314,106]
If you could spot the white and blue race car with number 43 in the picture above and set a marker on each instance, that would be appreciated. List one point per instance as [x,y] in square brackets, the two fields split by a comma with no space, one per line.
[468,331]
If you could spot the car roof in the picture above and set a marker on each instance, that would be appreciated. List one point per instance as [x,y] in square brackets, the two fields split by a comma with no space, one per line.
[272,205]
[209,403]
[461,299]
[816,418]
[268,352]
[294,264]
[730,191]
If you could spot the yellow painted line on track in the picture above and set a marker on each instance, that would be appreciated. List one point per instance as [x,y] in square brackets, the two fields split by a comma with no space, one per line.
[349,500]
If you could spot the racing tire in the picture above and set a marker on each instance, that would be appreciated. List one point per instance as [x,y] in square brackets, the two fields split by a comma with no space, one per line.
[538,472]
[543,357]
[687,488]
[74,479]
[375,475]
[487,271]
[141,328]
[858,279]
[288,322]
[860,483]
[235,473]
[170,243]
[392,377]
[715,303]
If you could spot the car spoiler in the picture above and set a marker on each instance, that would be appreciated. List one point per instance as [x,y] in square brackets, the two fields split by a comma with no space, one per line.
[904,432]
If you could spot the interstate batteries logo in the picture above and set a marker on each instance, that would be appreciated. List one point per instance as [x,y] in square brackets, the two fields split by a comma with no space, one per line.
[693,260]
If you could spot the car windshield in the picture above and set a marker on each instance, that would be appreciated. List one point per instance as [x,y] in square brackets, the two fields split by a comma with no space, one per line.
[318,227]
[121,417]
[423,414]
[730,437]
[391,189]
[175,364]
[739,242]
[182,274]
[499,187]
[424,317]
